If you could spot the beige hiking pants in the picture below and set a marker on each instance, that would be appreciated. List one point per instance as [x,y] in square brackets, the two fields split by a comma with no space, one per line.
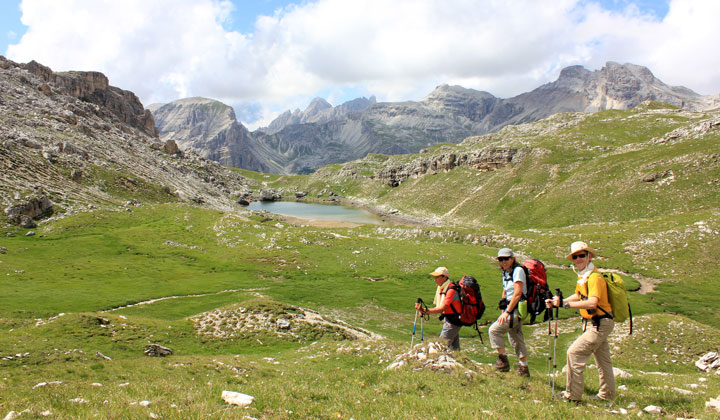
[593,341]
[515,335]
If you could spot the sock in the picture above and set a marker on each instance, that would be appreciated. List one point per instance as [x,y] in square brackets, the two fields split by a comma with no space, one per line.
[522,363]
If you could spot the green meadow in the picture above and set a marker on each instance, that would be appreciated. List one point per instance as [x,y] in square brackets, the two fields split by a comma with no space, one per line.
[192,260]
[82,297]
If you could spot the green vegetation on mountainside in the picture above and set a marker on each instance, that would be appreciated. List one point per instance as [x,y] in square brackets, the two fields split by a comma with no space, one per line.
[642,185]
[110,282]
[196,261]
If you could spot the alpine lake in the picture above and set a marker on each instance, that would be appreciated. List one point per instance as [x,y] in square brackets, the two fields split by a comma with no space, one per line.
[317,212]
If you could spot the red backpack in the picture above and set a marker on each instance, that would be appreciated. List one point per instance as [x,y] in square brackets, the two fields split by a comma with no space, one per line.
[537,287]
[467,303]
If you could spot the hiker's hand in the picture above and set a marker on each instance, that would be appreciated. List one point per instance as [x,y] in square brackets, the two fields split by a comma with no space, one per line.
[504,317]
[556,301]
[549,303]
[418,307]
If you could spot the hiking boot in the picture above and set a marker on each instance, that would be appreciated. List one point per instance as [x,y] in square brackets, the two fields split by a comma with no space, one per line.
[523,371]
[502,363]
[565,396]
[598,399]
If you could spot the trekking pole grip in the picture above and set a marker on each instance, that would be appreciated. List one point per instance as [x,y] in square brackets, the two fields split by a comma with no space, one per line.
[559,294]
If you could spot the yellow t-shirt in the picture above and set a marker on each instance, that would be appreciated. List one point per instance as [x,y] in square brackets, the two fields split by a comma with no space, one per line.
[595,286]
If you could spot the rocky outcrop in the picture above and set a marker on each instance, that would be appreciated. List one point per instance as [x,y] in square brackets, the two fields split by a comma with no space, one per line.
[485,161]
[156,350]
[285,322]
[80,153]
[94,87]
[32,208]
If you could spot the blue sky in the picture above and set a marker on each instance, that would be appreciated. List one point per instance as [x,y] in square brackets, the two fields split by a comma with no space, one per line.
[266,56]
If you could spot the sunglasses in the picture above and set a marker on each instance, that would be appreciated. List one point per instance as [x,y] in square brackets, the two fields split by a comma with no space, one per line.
[503,258]
[576,256]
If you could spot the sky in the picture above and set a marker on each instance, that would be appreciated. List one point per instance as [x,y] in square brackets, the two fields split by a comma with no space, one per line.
[263,57]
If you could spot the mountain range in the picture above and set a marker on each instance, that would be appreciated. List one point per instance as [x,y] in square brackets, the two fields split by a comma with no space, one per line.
[303,141]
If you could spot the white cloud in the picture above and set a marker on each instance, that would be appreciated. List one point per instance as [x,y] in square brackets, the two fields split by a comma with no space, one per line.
[167,49]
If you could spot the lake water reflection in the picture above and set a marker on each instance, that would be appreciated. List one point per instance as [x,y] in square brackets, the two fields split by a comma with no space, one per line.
[314,212]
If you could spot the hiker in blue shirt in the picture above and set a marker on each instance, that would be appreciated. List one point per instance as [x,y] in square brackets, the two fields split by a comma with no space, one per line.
[514,288]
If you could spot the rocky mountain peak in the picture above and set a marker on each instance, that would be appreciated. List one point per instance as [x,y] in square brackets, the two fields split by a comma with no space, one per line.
[444,93]
[316,106]
[302,141]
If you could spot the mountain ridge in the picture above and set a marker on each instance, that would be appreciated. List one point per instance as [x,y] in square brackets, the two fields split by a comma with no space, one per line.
[303,141]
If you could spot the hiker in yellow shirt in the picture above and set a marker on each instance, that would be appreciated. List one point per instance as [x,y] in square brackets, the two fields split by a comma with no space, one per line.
[591,299]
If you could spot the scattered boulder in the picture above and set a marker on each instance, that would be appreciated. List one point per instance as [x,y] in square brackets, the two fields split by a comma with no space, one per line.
[655,176]
[237,398]
[171,148]
[709,362]
[714,403]
[156,350]
[619,373]
[269,195]
[34,208]
[653,409]
[300,194]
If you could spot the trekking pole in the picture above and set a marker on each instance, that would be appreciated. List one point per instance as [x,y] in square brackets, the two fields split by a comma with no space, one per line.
[420,301]
[413,333]
[550,357]
[557,315]
[423,317]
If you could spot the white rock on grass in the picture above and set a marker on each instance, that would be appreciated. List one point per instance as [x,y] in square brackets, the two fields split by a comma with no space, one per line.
[622,388]
[708,362]
[682,391]
[237,398]
[619,373]
[396,365]
[11,415]
[79,400]
[714,403]
[653,409]
[46,413]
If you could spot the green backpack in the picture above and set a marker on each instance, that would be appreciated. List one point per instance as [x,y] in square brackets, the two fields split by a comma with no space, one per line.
[617,295]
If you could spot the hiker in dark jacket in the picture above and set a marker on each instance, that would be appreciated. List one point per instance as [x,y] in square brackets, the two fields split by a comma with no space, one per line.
[514,288]
[591,298]
[442,301]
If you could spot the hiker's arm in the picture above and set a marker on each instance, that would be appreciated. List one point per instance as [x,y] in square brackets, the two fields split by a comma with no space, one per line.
[555,301]
[438,309]
[590,303]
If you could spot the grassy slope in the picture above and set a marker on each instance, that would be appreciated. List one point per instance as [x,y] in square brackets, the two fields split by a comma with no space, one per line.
[370,276]
[101,260]
[581,176]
